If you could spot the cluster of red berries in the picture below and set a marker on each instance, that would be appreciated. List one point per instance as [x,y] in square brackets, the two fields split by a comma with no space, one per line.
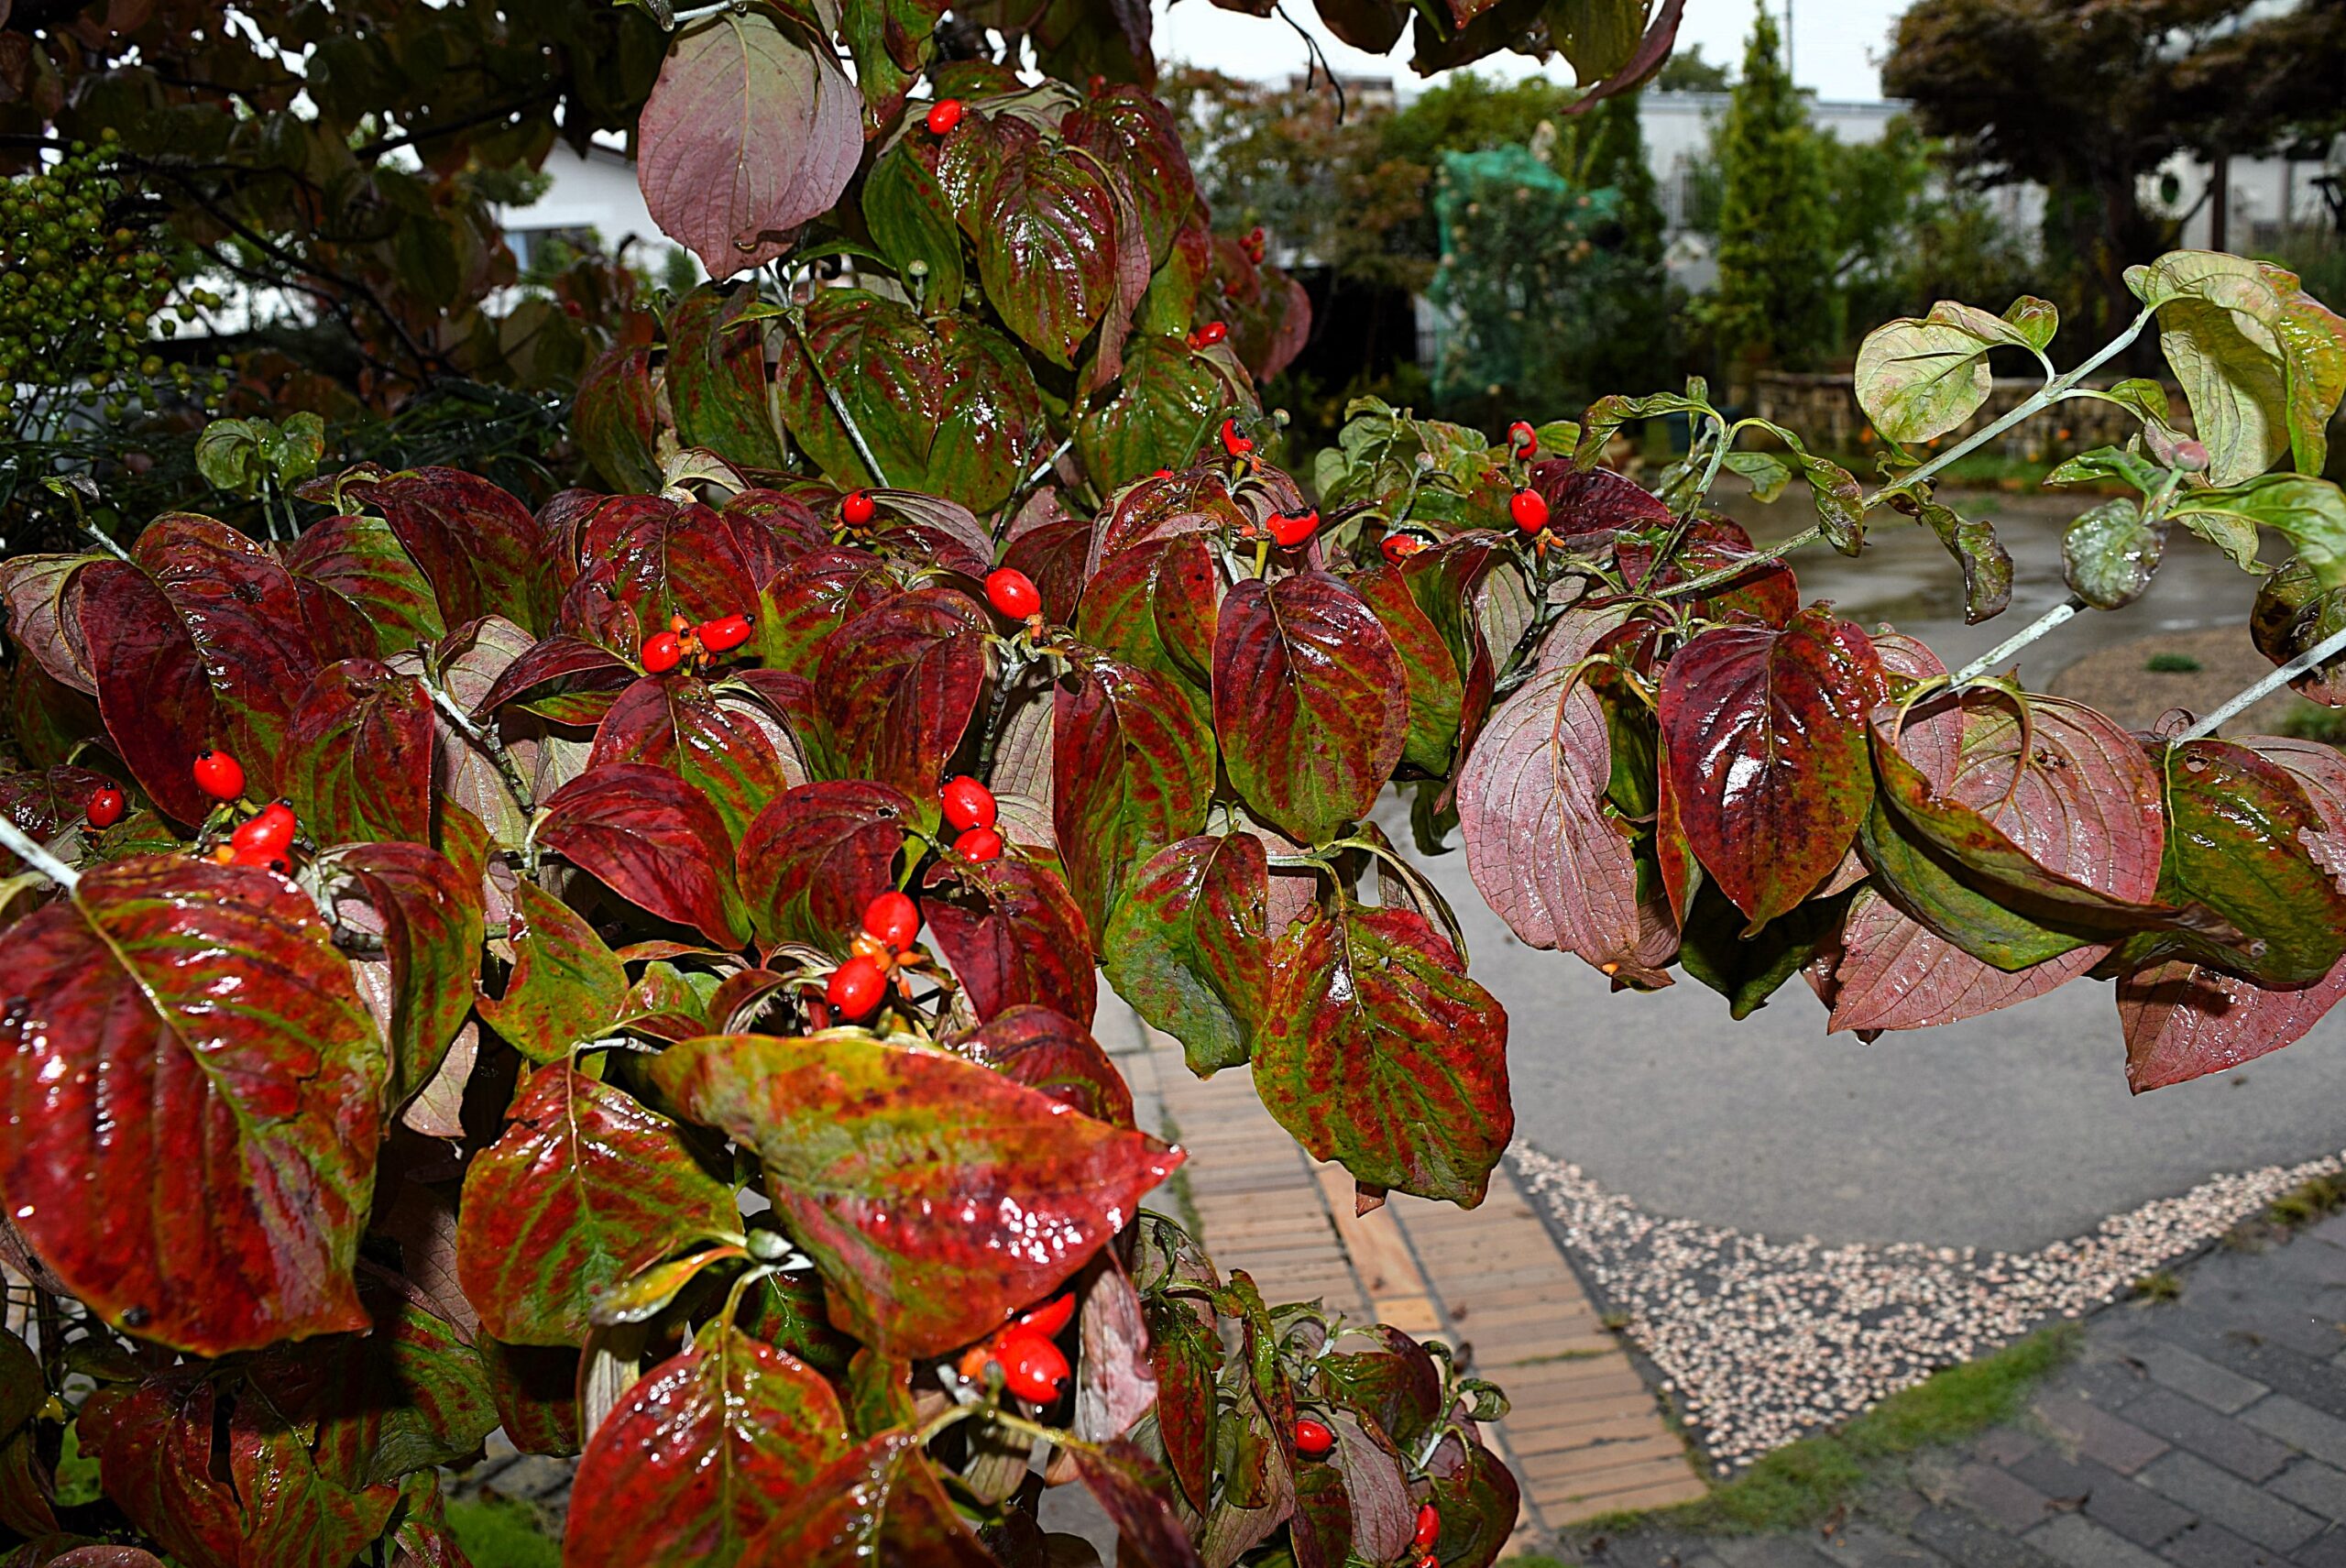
[1210,334]
[943,115]
[1014,594]
[891,922]
[1023,1353]
[971,807]
[710,639]
[261,840]
[1253,245]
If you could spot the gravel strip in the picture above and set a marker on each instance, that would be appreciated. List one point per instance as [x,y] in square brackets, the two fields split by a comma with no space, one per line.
[1760,1342]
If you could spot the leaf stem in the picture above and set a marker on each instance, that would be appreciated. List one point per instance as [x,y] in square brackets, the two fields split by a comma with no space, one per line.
[2044,397]
[2319,654]
[29,850]
[838,404]
[499,758]
[2051,620]
[1013,667]
[1741,564]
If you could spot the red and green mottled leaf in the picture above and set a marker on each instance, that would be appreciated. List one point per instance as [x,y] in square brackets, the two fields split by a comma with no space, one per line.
[2238,829]
[359,562]
[567,985]
[1377,1052]
[1044,221]
[1012,933]
[700,1456]
[1186,1353]
[720,750]
[817,855]
[910,222]
[1137,1496]
[1138,138]
[1185,946]
[899,685]
[407,1396]
[1544,850]
[615,417]
[1768,591]
[38,594]
[431,915]
[1437,692]
[1166,407]
[478,546]
[357,759]
[1477,1497]
[153,688]
[649,836]
[582,668]
[896,1164]
[886,367]
[1132,768]
[1765,739]
[715,379]
[880,1502]
[195,1089]
[46,803]
[586,1186]
[1047,1051]
[1309,702]
[1932,889]
[809,600]
[536,1390]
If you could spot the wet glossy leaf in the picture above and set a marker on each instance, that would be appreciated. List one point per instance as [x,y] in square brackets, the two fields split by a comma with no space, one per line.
[478,546]
[1310,703]
[705,1451]
[586,1186]
[196,1091]
[1933,888]
[1044,220]
[900,684]
[1165,408]
[893,1164]
[649,836]
[1895,973]
[1132,770]
[1137,135]
[880,1502]
[1437,695]
[911,222]
[2238,826]
[719,749]
[44,620]
[1479,1500]
[1013,934]
[1768,591]
[2261,364]
[2108,553]
[715,379]
[614,417]
[565,987]
[1046,1051]
[1985,565]
[1544,851]
[817,855]
[357,759]
[751,130]
[2309,514]
[431,915]
[801,609]
[1186,1354]
[1764,737]
[1185,946]
[360,562]
[1379,1053]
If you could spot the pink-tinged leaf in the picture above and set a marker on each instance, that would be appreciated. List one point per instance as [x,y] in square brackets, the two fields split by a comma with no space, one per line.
[431,918]
[102,1557]
[1380,1054]
[37,592]
[1012,934]
[1543,849]
[584,1187]
[194,1094]
[881,1502]
[719,749]
[1584,502]
[1185,946]
[407,1396]
[1046,1051]
[652,839]
[615,418]
[1894,973]
[899,685]
[751,130]
[478,545]
[817,855]
[357,759]
[935,1195]
[702,1453]
[1132,770]
[1309,702]
[356,563]
[1137,1495]
[1765,739]
[2184,1020]
[1115,1383]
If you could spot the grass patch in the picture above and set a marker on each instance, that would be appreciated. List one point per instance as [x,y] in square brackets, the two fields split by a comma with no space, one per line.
[1802,1482]
[2311,721]
[2173,664]
[499,1532]
[2158,1286]
[2315,1199]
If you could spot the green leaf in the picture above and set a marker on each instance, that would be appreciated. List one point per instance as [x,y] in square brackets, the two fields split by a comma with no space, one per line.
[1917,378]
[716,379]
[1165,409]
[586,1186]
[1185,946]
[911,223]
[2108,553]
[1377,1052]
[566,986]
[2240,827]
[888,1161]
[1766,474]
[2309,514]
[1985,565]
[2111,463]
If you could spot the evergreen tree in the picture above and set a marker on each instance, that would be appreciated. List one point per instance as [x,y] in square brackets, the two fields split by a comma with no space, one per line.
[1774,307]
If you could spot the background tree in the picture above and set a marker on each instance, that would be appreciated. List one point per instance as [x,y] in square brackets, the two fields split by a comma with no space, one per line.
[1687,71]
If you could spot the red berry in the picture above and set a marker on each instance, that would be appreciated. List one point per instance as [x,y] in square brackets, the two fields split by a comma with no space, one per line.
[680,624]
[857,508]
[1237,445]
[978,844]
[856,987]
[272,859]
[1288,532]
[1048,1319]
[943,115]
[893,918]
[1313,1439]
[725,633]
[969,804]
[219,775]
[1212,333]
[1013,593]
[1429,1526]
[1399,547]
[1523,438]
[1032,1366]
[1530,509]
[662,652]
[271,829]
[105,806]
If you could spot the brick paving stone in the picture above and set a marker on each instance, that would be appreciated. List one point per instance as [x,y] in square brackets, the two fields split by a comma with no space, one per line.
[1864,1545]
[2135,1511]
[2005,1500]
[2195,1376]
[2310,1484]
[2097,1434]
[1769,1551]
[2190,1424]
[2227,1500]
[2327,1550]
[2004,1445]
[1962,1538]
[2114,1383]
[2206,1545]
[2078,1542]
[2300,1426]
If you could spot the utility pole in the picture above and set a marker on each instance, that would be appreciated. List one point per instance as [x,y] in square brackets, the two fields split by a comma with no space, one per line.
[1792,60]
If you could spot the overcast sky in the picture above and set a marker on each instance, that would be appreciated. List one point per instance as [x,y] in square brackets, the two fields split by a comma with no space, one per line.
[1836,44]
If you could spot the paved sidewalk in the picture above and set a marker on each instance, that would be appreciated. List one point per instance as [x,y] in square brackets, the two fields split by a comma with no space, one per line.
[2205,1432]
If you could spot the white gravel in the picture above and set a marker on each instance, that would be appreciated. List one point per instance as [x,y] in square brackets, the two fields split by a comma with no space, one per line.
[1760,1342]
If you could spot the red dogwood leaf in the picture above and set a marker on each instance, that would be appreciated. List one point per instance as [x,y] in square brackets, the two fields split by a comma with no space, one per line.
[1185,1352]
[1185,946]
[565,987]
[356,580]
[586,1186]
[38,593]
[194,1094]
[652,839]
[935,1195]
[581,666]
[1137,137]
[45,804]
[357,757]
[1012,934]
[1543,851]
[1768,591]
[1132,770]
[1764,738]
[430,917]
[1378,1053]
[1895,973]
[1479,1499]
[817,855]
[615,416]
[800,610]
[1309,702]
[1138,1494]
[899,684]
[1594,501]
[478,545]
[706,1451]
[1437,692]
[881,1502]
[715,379]
[536,1390]
[722,749]
[2241,828]
[1043,219]
[751,130]
[1047,1051]
[656,557]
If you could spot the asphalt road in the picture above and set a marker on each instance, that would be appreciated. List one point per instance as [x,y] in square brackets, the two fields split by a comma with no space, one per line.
[2009,1131]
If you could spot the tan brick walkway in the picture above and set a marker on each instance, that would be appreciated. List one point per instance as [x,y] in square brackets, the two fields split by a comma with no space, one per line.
[1583,1434]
